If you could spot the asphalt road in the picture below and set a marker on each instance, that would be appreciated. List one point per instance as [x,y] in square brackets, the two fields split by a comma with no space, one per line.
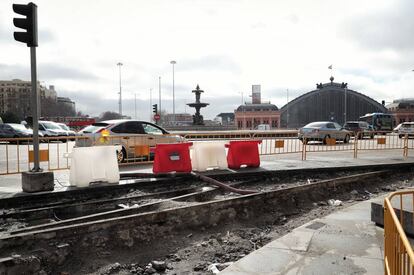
[14,158]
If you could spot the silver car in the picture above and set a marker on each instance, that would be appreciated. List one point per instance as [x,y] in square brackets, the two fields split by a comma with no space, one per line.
[68,130]
[322,130]
[135,137]
[406,128]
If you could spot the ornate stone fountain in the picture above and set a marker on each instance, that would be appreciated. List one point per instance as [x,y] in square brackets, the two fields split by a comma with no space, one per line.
[197,117]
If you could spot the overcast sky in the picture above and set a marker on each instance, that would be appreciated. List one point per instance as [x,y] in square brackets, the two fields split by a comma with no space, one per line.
[225,46]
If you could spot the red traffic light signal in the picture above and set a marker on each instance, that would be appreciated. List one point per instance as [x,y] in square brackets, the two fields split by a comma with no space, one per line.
[29,24]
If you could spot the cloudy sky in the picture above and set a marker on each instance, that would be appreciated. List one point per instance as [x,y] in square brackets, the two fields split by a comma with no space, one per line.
[225,46]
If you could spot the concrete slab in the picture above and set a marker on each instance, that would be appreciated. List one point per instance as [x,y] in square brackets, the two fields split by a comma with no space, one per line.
[338,264]
[267,260]
[377,211]
[298,240]
[345,242]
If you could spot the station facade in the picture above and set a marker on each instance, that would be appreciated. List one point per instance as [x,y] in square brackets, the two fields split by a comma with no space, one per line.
[328,102]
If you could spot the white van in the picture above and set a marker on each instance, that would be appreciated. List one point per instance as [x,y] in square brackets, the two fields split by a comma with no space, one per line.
[263,127]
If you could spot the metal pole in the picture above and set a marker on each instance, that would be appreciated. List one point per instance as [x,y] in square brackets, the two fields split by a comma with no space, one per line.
[35,110]
[120,88]
[159,96]
[150,104]
[135,106]
[287,108]
[173,63]
[346,90]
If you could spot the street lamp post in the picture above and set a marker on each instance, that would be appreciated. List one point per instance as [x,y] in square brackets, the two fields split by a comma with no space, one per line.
[346,91]
[135,105]
[159,97]
[173,63]
[287,109]
[150,104]
[119,64]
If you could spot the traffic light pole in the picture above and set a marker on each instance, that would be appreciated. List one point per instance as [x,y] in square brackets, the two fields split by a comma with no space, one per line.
[35,180]
[35,110]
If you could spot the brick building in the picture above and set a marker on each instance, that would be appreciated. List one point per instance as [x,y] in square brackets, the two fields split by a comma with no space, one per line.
[249,116]
[402,109]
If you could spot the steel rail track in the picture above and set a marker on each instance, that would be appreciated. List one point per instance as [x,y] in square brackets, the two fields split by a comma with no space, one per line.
[192,198]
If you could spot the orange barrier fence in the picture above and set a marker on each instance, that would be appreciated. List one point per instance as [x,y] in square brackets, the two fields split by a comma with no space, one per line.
[398,253]
[15,154]
[378,141]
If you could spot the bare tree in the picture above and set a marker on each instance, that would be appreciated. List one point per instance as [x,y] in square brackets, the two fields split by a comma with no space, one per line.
[108,115]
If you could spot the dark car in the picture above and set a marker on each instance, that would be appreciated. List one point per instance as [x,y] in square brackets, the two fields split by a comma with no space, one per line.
[359,129]
[11,130]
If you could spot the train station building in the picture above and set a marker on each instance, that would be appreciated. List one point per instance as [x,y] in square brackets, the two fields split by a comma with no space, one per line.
[330,101]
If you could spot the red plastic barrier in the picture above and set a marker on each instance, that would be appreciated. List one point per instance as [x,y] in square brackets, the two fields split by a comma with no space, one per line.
[243,152]
[173,157]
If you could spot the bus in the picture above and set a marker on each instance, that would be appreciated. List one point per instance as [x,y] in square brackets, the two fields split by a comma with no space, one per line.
[75,123]
[379,121]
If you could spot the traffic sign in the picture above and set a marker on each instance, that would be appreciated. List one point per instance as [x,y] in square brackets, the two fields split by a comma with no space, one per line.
[157,117]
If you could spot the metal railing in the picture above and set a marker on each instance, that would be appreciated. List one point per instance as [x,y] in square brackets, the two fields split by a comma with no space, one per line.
[398,253]
[376,141]
[15,154]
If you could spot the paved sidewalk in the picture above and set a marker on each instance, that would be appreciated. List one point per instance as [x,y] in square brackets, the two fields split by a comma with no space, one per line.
[345,242]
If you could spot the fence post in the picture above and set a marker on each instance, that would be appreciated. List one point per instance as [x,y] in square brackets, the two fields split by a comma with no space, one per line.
[356,146]
[405,150]
[304,143]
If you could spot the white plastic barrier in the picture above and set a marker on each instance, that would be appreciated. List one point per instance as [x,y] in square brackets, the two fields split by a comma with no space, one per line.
[208,154]
[93,164]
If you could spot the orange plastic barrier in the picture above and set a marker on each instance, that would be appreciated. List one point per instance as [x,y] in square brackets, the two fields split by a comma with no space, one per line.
[243,152]
[173,157]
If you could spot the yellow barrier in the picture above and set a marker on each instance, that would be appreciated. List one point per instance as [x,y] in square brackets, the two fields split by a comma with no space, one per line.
[398,253]
[43,155]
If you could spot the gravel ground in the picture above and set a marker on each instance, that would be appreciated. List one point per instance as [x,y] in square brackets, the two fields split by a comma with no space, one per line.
[197,251]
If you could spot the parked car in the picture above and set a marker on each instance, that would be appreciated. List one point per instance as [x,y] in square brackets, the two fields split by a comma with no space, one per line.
[322,130]
[407,128]
[51,129]
[395,130]
[359,129]
[263,127]
[12,130]
[129,134]
[67,129]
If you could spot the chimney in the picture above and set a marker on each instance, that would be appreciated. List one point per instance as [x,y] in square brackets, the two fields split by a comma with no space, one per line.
[256,97]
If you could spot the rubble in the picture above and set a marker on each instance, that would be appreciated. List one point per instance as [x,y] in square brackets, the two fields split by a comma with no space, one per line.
[159,265]
[332,202]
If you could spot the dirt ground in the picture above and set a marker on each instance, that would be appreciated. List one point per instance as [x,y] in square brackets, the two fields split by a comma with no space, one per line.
[206,250]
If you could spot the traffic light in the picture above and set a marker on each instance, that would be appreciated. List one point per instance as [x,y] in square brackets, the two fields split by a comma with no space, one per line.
[155,108]
[29,23]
